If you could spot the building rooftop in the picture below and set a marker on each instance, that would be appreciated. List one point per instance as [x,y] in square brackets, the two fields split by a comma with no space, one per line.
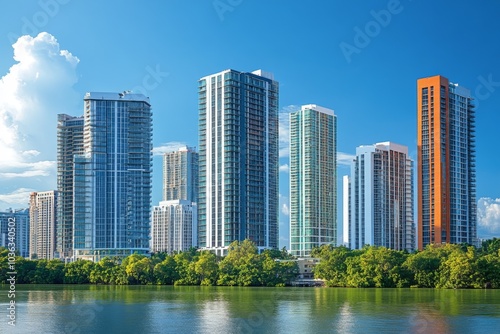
[124,96]
[318,108]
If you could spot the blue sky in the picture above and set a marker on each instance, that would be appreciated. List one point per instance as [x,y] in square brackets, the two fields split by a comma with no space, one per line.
[361,59]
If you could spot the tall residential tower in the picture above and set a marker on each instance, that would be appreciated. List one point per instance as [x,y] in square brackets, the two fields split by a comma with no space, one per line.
[112,182]
[174,225]
[446,163]
[180,175]
[238,158]
[69,144]
[313,179]
[19,220]
[380,196]
[43,217]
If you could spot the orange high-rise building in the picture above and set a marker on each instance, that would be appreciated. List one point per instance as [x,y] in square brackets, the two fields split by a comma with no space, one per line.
[446,163]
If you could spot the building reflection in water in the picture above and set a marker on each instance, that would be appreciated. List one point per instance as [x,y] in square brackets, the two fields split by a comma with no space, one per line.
[428,321]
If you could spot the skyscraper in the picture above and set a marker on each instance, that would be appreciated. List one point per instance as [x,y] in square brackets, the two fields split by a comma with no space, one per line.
[112,182]
[69,144]
[313,179]
[174,226]
[238,158]
[43,216]
[446,163]
[180,175]
[380,210]
[19,220]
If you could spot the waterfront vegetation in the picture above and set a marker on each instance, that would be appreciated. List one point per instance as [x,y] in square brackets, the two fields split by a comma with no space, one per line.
[437,266]
[443,266]
[243,266]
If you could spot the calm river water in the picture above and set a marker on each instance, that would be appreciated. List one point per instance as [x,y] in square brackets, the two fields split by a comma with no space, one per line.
[168,309]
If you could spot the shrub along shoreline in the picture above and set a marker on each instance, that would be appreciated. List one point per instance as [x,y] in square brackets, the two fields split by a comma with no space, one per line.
[444,266]
[437,266]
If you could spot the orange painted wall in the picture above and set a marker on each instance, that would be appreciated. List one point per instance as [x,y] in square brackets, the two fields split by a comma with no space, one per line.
[439,172]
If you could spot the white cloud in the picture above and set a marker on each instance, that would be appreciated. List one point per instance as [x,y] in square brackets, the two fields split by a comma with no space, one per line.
[345,159]
[17,199]
[27,173]
[36,88]
[283,200]
[30,153]
[285,210]
[168,147]
[488,217]
[284,168]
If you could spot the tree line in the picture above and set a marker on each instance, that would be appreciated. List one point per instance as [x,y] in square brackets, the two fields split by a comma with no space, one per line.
[438,266]
[243,266]
[448,266]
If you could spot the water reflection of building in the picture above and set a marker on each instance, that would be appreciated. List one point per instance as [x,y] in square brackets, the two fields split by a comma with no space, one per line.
[346,319]
[428,321]
[214,314]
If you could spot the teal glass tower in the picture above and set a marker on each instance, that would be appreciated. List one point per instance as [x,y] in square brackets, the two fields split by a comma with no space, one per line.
[313,179]
[238,160]
[112,190]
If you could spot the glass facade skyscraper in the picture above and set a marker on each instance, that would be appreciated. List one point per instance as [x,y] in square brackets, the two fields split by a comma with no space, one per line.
[69,144]
[238,159]
[21,221]
[112,178]
[313,179]
[380,210]
[446,163]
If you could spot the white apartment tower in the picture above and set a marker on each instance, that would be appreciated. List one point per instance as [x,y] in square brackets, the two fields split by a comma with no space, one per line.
[43,215]
[174,226]
[180,175]
[380,206]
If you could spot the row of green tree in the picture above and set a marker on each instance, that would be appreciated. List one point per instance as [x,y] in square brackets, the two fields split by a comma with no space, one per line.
[243,266]
[445,266]
[437,266]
